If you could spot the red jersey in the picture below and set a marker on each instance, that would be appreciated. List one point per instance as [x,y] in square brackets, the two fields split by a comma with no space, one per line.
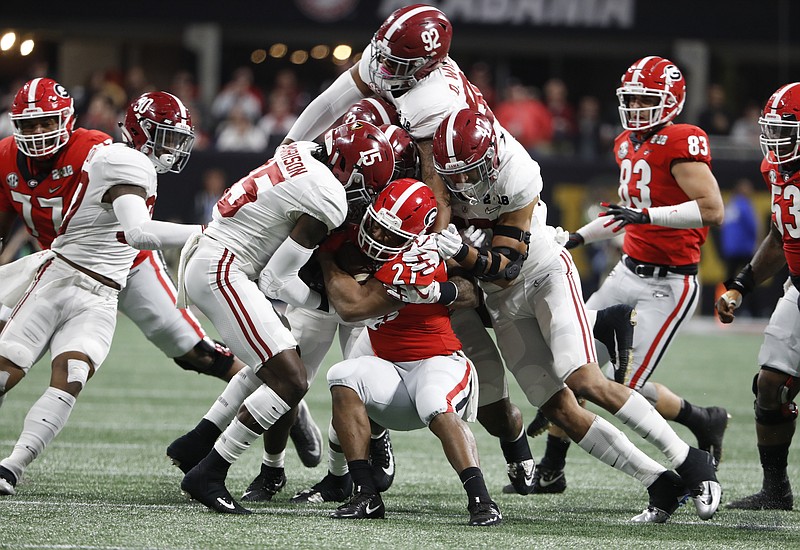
[40,198]
[419,331]
[785,190]
[645,181]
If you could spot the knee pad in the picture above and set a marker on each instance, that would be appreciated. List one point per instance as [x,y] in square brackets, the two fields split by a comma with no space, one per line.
[4,376]
[772,417]
[78,371]
[216,359]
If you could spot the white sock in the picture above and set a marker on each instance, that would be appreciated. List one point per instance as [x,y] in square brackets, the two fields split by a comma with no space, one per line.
[266,406]
[227,404]
[337,463]
[642,418]
[44,421]
[234,441]
[273,460]
[606,443]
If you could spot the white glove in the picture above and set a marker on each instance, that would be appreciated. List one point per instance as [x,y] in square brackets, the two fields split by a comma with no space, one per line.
[413,294]
[475,236]
[561,236]
[448,242]
[423,256]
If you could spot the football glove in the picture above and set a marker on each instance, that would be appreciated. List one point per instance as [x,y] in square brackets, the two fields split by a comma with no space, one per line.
[625,215]
[449,242]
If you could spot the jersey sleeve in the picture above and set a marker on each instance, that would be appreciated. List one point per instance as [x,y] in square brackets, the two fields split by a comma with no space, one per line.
[425,107]
[119,165]
[325,200]
[689,142]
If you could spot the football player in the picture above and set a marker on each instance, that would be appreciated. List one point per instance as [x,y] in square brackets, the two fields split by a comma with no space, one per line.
[533,295]
[412,373]
[669,198]
[264,229]
[70,305]
[776,384]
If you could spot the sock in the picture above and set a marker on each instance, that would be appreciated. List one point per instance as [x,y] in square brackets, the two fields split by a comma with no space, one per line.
[555,453]
[517,450]
[234,441]
[774,459]
[607,444]
[227,404]
[44,421]
[643,419]
[474,485]
[361,472]
[337,463]
[273,460]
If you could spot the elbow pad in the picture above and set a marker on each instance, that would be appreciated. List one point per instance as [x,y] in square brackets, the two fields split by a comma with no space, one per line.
[142,240]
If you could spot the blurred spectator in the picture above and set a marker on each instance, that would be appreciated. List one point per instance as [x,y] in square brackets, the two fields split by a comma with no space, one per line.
[100,82]
[739,231]
[238,133]
[136,82]
[183,85]
[525,116]
[279,118]
[287,84]
[562,113]
[480,74]
[239,93]
[594,136]
[214,185]
[716,118]
[102,115]
[745,130]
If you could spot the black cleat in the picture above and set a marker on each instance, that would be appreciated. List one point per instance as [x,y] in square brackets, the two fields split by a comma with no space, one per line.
[699,475]
[483,513]
[361,506]
[330,489]
[202,487]
[521,475]
[763,500]
[667,494]
[538,425]
[381,456]
[614,329]
[306,437]
[266,485]
[8,481]
[548,481]
[192,447]
[709,435]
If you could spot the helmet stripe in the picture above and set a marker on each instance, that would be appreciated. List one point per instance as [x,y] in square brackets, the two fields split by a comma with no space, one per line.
[32,90]
[181,106]
[779,95]
[451,123]
[381,110]
[406,195]
[638,69]
[403,18]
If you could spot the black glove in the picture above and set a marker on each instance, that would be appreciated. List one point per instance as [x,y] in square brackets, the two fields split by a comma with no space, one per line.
[575,239]
[624,214]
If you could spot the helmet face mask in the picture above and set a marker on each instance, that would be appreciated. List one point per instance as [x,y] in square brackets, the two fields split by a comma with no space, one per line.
[42,115]
[780,126]
[652,92]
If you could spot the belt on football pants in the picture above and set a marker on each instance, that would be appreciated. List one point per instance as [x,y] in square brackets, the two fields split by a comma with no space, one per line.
[644,269]
[96,276]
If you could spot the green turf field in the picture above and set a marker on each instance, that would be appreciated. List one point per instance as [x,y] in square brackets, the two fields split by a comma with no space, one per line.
[105,481]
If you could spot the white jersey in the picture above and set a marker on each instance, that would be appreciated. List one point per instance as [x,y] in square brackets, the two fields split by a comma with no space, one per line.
[256,215]
[88,234]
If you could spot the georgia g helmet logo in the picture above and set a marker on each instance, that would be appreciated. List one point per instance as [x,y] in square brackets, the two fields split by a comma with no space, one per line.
[671,73]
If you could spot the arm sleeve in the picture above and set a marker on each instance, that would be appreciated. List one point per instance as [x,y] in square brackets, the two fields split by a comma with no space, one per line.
[325,109]
[280,279]
[145,234]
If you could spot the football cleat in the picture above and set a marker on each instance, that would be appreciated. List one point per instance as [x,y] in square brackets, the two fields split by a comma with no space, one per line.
[381,456]
[521,476]
[306,437]
[266,485]
[709,435]
[699,475]
[548,481]
[763,500]
[8,482]
[538,425]
[483,513]
[330,489]
[210,492]
[361,506]
[192,447]
[614,329]
[667,494]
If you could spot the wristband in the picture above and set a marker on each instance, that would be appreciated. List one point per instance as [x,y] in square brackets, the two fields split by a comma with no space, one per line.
[462,253]
[744,282]
[448,293]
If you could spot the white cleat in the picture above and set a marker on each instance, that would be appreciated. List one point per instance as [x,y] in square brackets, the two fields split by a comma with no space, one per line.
[707,502]
[651,514]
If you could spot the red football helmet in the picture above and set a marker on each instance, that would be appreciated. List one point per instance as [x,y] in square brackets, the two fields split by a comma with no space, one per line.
[408,46]
[400,213]
[374,110]
[406,154]
[42,104]
[658,89]
[780,125]
[159,125]
[465,154]
[360,157]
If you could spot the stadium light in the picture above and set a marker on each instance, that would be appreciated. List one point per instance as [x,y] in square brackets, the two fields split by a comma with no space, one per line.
[278,50]
[342,52]
[7,41]
[26,47]
[299,57]
[258,56]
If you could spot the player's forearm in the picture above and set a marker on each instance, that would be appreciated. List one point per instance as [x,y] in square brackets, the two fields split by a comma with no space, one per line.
[145,234]
[350,299]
